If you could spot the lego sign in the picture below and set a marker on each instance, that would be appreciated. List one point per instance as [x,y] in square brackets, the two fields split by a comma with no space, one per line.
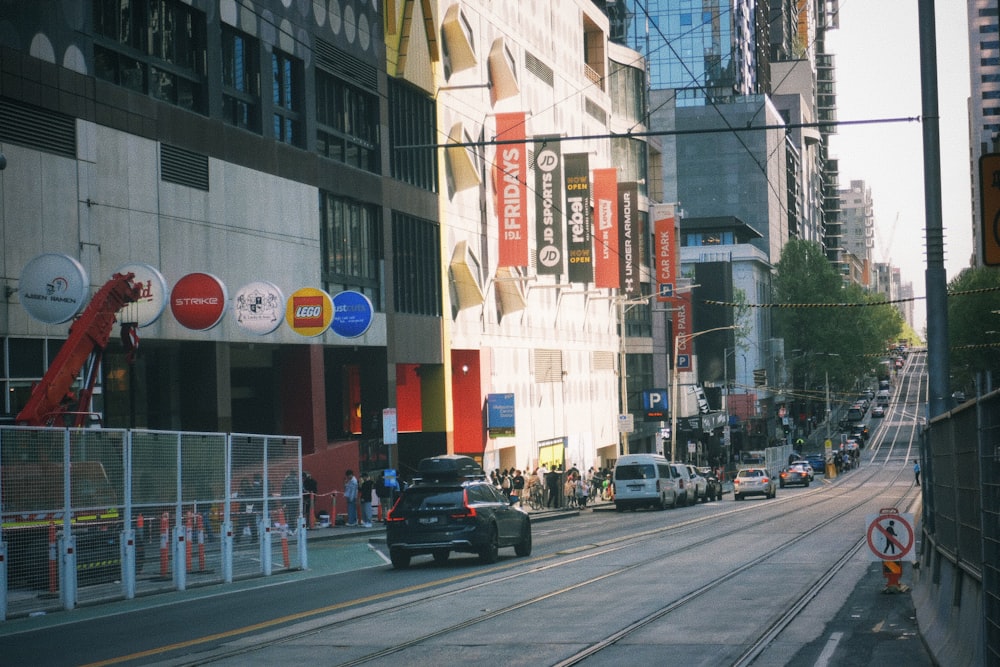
[309,311]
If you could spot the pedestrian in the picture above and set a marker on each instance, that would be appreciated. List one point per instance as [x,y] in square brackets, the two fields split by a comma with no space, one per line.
[309,490]
[290,494]
[916,472]
[582,491]
[506,484]
[517,488]
[553,488]
[383,491]
[366,490]
[351,496]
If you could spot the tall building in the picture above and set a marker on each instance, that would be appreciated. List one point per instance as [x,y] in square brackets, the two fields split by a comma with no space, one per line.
[858,220]
[984,100]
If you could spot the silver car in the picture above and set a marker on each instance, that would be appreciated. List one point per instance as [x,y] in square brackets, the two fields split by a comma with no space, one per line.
[754,482]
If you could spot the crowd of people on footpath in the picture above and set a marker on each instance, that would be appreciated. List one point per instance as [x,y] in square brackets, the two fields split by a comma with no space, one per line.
[552,488]
[846,460]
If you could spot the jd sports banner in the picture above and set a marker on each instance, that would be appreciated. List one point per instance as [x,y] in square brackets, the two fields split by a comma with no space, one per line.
[579,242]
[548,210]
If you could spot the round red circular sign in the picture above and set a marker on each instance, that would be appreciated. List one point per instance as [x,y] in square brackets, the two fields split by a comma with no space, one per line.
[198,301]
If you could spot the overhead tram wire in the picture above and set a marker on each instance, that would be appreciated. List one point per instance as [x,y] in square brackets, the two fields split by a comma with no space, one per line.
[657,133]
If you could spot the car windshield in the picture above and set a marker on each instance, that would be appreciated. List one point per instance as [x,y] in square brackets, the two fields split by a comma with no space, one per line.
[635,471]
[750,473]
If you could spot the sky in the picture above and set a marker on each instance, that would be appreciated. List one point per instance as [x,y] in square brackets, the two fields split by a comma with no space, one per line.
[877,50]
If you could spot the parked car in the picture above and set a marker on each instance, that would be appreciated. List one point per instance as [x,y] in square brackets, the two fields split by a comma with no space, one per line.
[646,480]
[818,463]
[794,474]
[699,485]
[453,507]
[754,482]
[714,484]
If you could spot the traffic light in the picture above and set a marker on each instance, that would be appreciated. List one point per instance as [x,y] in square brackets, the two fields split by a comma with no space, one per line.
[759,377]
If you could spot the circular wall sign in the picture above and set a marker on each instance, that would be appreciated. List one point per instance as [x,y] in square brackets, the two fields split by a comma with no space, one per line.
[53,288]
[309,311]
[198,301]
[152,295]
[352,314]
[259,307]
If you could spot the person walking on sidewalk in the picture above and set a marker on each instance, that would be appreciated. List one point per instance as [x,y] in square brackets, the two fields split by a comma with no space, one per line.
[916,472]
[367,488]
[351,496]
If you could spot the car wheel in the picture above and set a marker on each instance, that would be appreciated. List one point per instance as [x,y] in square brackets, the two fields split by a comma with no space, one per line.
[400,559]
[806,484]
[737,496]
[782,485]
[523,548]
[441,556]
[490,552]
[719,495]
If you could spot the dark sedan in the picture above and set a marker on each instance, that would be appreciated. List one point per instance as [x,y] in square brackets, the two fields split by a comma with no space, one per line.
[794,474]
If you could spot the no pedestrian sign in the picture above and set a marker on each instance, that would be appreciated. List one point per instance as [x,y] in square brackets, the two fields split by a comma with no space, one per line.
[890,536]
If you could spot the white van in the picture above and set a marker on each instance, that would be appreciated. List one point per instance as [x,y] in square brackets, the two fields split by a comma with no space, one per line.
[645,480]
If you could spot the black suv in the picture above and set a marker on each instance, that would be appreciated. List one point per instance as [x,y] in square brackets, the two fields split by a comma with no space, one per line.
[453,507]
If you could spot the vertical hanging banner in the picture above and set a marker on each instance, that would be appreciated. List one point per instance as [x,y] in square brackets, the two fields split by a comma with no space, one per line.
[579,241]
[548,210]
[683,326]
[628,239]
[509,174]
[665,244]
[606,254]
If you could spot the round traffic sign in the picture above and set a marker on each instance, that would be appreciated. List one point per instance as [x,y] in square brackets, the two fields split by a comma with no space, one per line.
[890,536]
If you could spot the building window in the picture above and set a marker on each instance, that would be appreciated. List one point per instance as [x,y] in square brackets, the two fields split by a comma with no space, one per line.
[416,265]
[412,122]
[240,80]
[287,98]
[154,47]
[352,247]
[347,119]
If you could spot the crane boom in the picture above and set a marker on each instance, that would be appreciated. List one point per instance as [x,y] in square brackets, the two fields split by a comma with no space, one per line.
[88,335]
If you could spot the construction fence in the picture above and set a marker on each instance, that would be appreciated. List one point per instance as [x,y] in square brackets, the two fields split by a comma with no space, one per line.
[98,514]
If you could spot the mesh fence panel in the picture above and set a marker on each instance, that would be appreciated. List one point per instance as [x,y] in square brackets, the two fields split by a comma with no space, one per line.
[163,485]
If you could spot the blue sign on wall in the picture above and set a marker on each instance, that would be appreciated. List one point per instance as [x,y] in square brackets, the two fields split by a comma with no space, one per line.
[352,314]
[500,414]
[656,403]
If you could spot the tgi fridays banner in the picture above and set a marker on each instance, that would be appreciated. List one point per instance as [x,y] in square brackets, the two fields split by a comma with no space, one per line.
[606,255]
[628,238]
[665,244]
[579,241]
[548,209]
[509,173]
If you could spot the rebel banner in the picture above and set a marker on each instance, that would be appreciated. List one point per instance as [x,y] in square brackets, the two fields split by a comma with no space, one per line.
[628,239]
[509,174]
[579,230]
[606,254]
[665,246]
[548,210]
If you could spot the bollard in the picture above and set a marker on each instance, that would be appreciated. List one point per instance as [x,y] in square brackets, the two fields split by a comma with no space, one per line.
[201,543]
[164,553]
[53,559]
[140,525]
[284,537]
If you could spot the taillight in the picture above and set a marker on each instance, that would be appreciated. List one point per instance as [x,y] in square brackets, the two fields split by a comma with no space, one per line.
[465,512]
[765,480]
[390,516]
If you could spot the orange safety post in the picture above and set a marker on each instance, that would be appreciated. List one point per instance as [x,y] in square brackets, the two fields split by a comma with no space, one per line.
[284,537]
[188,531]
[201,543]
[53,559]
[164,552]
[140,525]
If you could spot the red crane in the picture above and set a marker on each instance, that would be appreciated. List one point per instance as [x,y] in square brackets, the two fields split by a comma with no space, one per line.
[88,337]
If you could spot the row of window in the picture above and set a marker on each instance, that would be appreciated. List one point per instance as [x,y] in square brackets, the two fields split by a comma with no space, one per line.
[159,48]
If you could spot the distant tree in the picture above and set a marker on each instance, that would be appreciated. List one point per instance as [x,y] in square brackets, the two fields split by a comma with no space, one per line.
[974,327]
